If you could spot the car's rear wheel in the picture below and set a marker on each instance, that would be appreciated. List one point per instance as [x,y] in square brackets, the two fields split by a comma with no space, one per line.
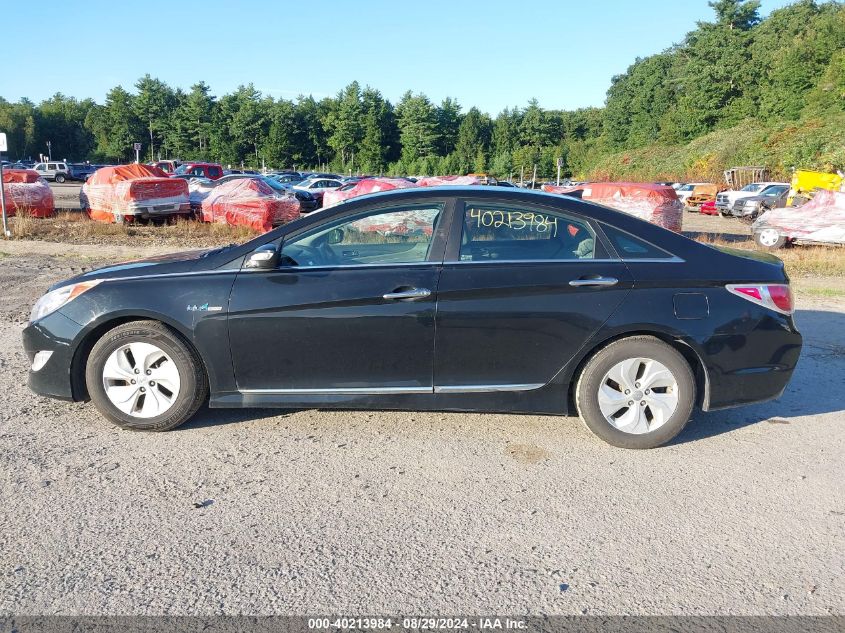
[142,376]
[770,238]
[637,392]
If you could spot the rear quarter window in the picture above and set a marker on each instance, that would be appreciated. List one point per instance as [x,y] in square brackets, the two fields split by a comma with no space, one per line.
[630,247]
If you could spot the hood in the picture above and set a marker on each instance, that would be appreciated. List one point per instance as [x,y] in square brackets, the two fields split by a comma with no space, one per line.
[172,263]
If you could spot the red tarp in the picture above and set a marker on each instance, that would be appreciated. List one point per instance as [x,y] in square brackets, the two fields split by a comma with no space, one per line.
[436,181]
[249,202]
[657,204]
[365,186]
[129,190]
[398,223]
[822,219]
[27,193]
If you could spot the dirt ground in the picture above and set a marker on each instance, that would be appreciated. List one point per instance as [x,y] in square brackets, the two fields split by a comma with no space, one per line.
[269,512]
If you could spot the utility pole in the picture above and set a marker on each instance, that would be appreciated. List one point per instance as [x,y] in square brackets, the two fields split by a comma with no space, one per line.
[49,150]
[6,232]
[534,177]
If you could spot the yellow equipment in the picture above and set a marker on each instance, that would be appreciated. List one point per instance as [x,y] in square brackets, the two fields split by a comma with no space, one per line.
[805,183]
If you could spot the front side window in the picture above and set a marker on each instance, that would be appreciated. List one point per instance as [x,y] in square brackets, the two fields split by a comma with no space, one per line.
[214,172]
[396,236]
[503,232]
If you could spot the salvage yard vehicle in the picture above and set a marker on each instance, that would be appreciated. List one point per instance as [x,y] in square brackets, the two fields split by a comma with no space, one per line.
[445,298]
[128,193]
[56,171]
[819,221]
[725,200]
[695,188]
[701,193]
[212,171]
[769,198]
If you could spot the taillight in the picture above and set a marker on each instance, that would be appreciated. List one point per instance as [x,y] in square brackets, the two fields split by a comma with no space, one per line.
[777,297]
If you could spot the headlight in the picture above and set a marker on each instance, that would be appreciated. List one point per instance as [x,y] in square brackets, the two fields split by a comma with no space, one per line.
[751,204]
[55,299]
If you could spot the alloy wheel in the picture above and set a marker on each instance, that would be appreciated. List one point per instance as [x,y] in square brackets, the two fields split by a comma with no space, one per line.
[638,395]
[141,380]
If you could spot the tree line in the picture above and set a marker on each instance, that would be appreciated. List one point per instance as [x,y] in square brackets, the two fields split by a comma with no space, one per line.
[731,69]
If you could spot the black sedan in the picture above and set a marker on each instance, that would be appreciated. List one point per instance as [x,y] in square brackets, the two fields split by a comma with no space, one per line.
[460,299]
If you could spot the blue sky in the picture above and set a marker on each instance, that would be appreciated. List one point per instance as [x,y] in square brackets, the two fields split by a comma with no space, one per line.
[490,54]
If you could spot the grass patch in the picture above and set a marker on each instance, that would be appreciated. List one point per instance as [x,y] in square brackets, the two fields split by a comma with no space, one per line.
[800,261]
[823,292]
[78,228]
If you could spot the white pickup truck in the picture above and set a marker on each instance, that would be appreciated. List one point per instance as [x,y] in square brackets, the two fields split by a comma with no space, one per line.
[726,199]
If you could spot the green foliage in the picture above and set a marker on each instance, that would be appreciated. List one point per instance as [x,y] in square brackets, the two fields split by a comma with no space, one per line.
[736,89]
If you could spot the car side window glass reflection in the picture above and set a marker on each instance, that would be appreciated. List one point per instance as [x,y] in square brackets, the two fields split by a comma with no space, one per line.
[500,232]
[395,236]
[630,247]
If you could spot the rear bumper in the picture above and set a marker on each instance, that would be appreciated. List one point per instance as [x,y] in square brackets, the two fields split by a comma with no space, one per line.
[752,367]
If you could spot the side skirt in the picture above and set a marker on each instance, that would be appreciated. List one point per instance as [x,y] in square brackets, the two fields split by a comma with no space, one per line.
[549,400]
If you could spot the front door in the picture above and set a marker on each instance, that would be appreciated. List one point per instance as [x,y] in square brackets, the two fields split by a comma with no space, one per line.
[350,309]
[522,289]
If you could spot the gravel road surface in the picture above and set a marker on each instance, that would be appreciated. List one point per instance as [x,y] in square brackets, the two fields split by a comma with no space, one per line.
[266,512]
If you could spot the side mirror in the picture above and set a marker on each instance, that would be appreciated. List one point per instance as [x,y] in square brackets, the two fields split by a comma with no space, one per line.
[335,236]
[263,258]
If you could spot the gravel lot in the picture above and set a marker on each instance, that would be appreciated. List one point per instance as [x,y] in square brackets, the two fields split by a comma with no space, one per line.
[367,512]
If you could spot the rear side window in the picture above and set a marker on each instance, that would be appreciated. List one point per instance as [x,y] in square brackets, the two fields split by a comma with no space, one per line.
[506,233]
[630,247]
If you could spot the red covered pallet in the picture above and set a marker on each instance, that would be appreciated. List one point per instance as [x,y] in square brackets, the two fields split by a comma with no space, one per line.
[249,202]
[27,193]
[436,181]
[657,204]
[127,192]
[363,187]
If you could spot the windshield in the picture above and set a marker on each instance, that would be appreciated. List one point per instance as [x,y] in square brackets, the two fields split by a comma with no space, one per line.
[687,188]
[274,184]
[181,169]
[754,186]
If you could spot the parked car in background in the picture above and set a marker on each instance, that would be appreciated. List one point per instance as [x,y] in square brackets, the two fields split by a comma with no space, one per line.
[708,208]
[52,170]
[317,186]
[307,202]
[287,179]
[725,199]
[167,166]
[80,171]
[686,190]
[411,300]
[212,171]
[771,197]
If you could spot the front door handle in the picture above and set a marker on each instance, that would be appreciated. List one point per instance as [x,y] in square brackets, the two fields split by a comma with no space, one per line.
[410,293]
[594,281]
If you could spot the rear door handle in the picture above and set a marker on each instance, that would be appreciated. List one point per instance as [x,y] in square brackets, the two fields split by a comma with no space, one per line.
[411,293]
[594,281]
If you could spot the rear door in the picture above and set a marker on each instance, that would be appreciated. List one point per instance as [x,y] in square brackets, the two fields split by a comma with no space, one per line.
[522,289]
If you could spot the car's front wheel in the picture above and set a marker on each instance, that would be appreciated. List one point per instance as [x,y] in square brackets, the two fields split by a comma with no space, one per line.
[60,178]
[770,238]
[142,376]
[637,392]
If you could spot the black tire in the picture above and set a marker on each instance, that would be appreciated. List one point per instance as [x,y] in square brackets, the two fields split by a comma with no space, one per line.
[769,244]
[60,178]
[192,375]
[586,392]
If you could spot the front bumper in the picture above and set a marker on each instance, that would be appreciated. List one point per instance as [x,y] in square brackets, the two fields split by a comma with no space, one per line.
[55,333]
